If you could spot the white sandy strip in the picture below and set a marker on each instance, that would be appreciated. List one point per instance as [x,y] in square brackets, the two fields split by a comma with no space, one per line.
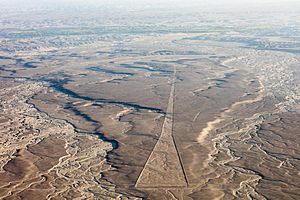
[124,112]
[212,124]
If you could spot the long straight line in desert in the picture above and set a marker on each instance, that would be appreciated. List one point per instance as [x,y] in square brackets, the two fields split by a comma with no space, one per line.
[163,167]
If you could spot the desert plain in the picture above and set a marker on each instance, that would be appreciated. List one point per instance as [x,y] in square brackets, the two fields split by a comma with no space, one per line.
[131,106]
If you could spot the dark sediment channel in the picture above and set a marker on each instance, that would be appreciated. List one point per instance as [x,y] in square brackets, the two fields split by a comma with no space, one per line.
[98,125]
[113,143]
[108,71]
[2,68]
[59,86]
[100,135]
[30,65]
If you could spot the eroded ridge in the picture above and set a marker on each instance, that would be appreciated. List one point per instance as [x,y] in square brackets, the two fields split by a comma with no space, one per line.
[45,158]
[250,148]
[163,167]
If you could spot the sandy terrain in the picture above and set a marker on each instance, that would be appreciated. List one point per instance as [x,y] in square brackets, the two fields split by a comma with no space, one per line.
[173,107]
[44,157]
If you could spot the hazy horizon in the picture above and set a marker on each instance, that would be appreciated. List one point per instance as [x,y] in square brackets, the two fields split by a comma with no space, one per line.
[201,5]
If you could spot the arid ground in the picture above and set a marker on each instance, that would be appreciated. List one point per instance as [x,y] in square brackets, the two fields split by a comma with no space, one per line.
[130,106]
